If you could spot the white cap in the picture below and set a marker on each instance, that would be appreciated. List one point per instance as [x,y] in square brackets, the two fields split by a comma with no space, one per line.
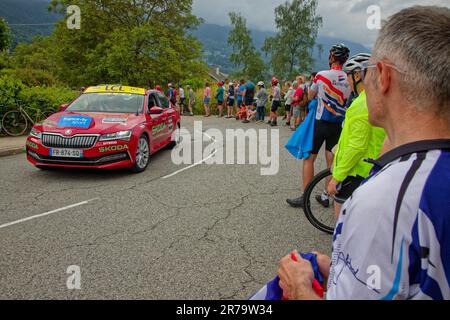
[261,83]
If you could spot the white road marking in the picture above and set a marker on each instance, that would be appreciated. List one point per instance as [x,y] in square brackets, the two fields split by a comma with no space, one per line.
[195,164]
[47,213]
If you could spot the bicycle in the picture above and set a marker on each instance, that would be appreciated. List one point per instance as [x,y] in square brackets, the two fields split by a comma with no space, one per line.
[15,122]
[319,215]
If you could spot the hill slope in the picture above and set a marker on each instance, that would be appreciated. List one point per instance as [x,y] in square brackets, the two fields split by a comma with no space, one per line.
[213,37]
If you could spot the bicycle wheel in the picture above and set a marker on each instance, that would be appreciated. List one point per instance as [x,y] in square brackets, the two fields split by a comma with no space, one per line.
[14,123]
[320,214]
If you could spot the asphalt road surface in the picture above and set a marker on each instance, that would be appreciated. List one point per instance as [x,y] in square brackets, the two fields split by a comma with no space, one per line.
[206,232]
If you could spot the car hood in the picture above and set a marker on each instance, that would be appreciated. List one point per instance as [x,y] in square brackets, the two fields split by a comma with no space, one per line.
[89,122]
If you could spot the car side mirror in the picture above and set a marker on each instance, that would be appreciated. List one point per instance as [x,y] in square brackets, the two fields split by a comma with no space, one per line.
[63,107]
[156,110]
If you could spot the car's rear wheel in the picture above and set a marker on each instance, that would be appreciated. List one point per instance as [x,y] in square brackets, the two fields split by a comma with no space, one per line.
[142,155]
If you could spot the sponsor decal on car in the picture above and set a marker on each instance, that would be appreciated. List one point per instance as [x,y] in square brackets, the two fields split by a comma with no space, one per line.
[115,120]
[159,128]
[82,122]
[49,123]
[170,124]
[109,143]
[32,145]
[115,89]
[113,148]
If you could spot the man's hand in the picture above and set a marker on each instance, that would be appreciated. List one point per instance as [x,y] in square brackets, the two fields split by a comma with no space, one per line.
[296,278]
[332,187]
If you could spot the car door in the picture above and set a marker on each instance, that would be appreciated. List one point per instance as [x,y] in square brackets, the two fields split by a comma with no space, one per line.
[168,117]
[158,123]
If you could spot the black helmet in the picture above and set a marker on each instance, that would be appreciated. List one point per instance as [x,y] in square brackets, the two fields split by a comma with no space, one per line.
[340,52]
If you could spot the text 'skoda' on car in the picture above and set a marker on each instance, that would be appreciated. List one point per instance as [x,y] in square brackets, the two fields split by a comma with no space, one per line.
[107,127]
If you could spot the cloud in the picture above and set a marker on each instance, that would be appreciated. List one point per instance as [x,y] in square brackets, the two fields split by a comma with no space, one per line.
[344,19]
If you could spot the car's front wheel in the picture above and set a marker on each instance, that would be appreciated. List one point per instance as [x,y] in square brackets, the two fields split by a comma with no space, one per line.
[142,155]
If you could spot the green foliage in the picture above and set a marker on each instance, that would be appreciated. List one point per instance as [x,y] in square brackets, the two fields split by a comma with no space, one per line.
[5,35]
[138,43]
[244,56]
[291,48]
[9,92]
[46,98]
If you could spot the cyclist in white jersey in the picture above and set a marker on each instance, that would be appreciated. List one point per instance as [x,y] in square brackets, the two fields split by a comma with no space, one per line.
[392,240]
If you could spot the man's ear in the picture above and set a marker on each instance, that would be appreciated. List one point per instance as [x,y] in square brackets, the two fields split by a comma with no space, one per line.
[384,80]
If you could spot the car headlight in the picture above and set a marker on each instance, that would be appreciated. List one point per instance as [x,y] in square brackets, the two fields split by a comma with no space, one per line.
[122,135]
[36,133]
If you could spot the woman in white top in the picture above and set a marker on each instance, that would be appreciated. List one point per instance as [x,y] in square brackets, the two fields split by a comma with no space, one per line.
[288,104]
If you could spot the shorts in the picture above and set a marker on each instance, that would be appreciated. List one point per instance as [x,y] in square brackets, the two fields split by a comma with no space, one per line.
[230,102]
[206,101]
[248,101]
[287,107]
[239,103]
[181,101]
[296,111]
[347,188]
[220,102]
[328,132]
[275,105]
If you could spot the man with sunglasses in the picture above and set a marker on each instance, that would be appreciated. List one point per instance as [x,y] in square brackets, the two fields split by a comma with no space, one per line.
[392,240]
[359,140]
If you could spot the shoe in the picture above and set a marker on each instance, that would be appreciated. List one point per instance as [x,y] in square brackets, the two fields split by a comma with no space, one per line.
[259,121]
[273,124]
[269,122]
[324,202]
[296,203]
[245,121]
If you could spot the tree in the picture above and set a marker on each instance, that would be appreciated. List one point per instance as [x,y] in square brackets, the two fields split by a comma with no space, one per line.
[244,56]
[5,35]
[290,50]
[130,42]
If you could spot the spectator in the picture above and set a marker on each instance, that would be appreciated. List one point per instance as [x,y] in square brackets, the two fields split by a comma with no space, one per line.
[329,115]
[297,98]
[398,222]
[220,97]
[288,104]
[230,100]
[207,99]
[182,98]
[261,103]
[240,94]
[249,93]
[191,99]
[276,102]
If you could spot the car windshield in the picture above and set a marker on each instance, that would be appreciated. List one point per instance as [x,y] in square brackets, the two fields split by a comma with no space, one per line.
[108,102]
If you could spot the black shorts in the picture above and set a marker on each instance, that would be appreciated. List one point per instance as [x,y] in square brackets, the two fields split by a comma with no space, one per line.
[275,106]
[248,101]
[287,107]
[220,102]
[181,101]
[230,102]
[347,188]
[326,132]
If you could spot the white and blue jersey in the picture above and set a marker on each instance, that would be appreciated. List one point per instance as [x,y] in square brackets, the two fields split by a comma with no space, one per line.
[392,240]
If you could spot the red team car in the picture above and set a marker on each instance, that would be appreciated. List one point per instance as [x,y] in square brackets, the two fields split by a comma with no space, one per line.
[107,127]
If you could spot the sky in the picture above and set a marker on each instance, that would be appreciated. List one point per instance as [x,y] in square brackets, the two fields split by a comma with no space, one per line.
[344,19]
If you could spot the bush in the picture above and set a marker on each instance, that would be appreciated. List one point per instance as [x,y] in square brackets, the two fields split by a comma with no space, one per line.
[10,89]
[46,98]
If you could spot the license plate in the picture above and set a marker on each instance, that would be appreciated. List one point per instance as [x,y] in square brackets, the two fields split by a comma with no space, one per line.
[66,153]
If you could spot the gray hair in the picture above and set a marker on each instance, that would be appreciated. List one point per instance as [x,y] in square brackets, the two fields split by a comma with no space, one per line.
[417,41]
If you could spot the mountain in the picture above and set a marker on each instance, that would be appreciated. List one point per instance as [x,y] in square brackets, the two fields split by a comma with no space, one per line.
[216,50]
[213,37]
[33,13]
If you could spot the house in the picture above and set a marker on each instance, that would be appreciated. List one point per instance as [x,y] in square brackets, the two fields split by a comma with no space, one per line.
[215,74]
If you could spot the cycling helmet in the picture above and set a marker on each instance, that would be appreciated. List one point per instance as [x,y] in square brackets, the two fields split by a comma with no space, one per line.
[158,87]
[171,85]
[261,84]
[340,51]
[220,83]
[357,62]
[274,81]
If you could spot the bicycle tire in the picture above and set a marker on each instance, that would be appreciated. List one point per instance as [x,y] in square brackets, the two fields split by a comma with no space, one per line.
[307,202]
[14,123]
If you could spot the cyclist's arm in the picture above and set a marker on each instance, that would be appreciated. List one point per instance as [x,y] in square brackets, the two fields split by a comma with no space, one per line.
[349,157]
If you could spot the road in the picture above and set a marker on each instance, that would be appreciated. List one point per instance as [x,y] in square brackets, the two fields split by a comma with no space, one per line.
[208,232]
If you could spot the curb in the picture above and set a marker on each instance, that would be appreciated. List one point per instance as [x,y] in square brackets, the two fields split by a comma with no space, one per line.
[12,152]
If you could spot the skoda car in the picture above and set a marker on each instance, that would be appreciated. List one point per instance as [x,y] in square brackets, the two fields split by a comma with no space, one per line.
[107,127]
